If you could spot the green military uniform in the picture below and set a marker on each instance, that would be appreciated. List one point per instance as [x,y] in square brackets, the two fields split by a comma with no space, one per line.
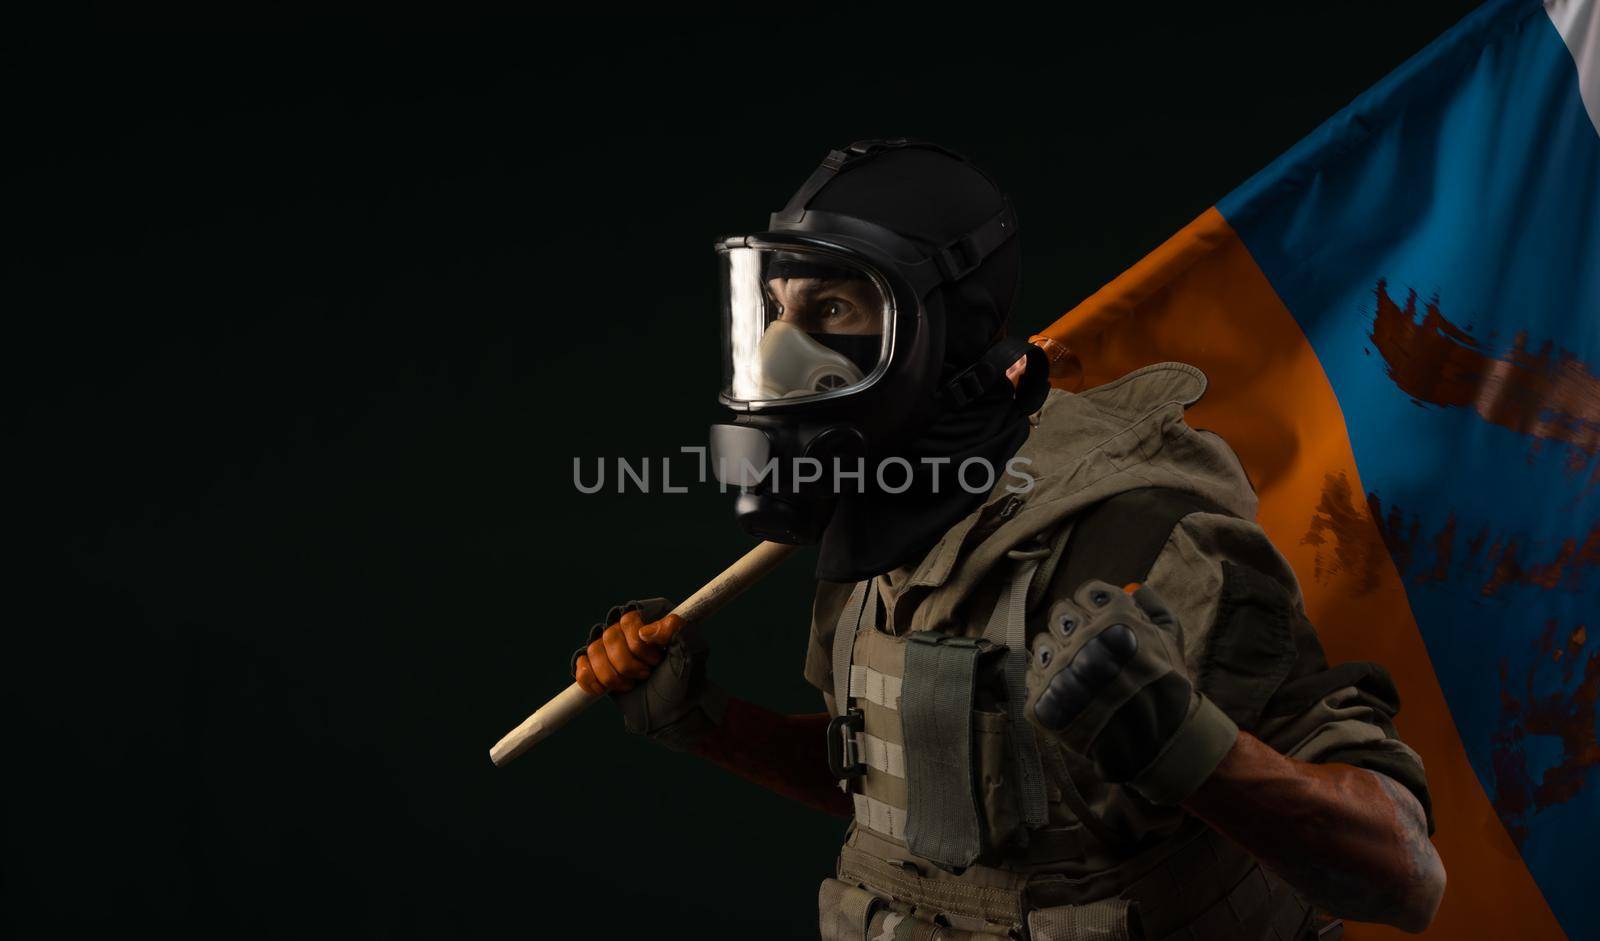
[967,818]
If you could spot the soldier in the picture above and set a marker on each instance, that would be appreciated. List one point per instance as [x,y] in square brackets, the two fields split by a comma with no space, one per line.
[1071,688]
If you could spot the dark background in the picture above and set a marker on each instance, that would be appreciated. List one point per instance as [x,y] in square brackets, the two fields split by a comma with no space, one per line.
[308,326]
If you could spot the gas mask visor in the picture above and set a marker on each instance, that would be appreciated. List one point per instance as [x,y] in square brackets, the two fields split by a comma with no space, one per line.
[800,323]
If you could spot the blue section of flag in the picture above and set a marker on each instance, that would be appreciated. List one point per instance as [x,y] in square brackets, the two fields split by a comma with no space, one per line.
[1471,176]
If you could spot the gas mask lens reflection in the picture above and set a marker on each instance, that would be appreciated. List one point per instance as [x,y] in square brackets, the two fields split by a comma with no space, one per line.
[800,324]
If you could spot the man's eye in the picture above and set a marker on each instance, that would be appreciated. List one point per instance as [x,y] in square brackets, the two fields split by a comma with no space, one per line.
[837,310]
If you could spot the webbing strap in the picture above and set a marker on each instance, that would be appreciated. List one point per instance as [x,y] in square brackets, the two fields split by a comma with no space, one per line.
[880,688]
[1008,625]
[971,383]
[844,641]
[1056,844]
[831,164]
[943,825]
[946,895]
[884,756]
[960,257]
[877,816]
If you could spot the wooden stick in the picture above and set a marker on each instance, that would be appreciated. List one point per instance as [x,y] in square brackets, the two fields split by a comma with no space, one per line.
[751,568]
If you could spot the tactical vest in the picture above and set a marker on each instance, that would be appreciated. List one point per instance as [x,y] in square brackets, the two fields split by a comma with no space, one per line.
[968,822]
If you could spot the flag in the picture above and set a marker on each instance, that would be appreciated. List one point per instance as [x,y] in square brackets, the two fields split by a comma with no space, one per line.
[1400,319]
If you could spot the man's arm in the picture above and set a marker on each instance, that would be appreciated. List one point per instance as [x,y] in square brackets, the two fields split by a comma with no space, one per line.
[657,673]
[1109,679]
[1352,841]
[782,753]
[1321,789]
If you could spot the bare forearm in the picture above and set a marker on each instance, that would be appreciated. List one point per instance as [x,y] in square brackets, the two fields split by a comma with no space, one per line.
[1352,841]
[782,753]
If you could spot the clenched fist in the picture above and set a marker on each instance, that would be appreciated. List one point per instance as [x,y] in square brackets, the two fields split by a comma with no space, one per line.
[653,665]
[624,653]
[1108,678]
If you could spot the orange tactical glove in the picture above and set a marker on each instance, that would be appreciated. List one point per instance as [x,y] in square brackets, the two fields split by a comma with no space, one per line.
[653,665]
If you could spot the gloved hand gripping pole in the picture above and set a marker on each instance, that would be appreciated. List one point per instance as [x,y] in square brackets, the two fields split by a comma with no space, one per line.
[750,568]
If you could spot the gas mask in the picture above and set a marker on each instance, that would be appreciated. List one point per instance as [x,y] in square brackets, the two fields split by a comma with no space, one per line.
[821,325]
[834,350]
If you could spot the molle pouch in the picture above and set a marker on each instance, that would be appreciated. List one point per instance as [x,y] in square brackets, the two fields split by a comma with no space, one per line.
[994,758]
[890,925]
[1108,920]
[994,778]
[850,913]
[960,803]
[844,911]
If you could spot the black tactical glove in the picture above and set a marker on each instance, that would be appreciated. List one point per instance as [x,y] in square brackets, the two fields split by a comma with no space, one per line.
[676,705]
[1108,678]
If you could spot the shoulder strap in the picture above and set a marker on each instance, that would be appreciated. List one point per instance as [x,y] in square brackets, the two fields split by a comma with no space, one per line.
[863,600]
[1008,625]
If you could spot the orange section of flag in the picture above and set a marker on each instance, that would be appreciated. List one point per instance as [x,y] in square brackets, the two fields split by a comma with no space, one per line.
[1201,299]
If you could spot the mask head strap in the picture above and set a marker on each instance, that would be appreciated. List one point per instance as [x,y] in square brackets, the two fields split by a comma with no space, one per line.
[971,383]
[837,160]
[924,268]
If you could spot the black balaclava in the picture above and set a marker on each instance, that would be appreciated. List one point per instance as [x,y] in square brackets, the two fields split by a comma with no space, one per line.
[930,197]
[861,349]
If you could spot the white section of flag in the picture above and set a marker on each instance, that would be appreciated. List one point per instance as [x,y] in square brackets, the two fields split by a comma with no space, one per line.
[1578,22]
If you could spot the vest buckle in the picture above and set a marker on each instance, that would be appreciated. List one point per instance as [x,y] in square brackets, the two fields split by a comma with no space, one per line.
[844,757]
